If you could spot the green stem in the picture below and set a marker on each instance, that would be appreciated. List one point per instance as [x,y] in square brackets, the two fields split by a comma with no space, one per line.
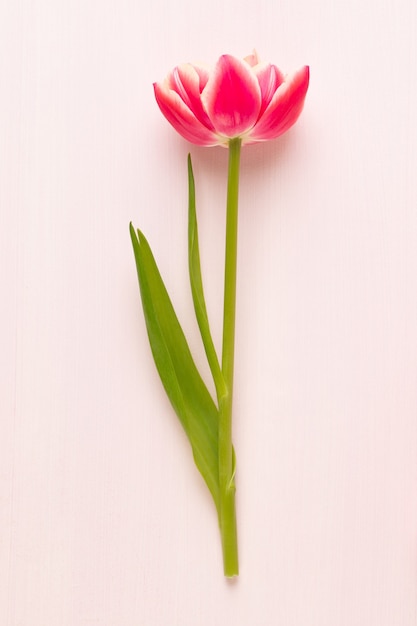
[226,455]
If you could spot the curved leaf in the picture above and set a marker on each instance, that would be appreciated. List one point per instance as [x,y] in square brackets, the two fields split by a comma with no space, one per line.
[196,282]
[183,384]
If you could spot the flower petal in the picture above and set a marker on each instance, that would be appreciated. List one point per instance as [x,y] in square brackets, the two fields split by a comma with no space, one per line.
[252,59]
[182,118]
[186,81]
[232,97]
[284,108]
[269,78]
[203,74]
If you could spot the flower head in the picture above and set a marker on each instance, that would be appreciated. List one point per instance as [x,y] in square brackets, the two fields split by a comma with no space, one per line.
[237,98]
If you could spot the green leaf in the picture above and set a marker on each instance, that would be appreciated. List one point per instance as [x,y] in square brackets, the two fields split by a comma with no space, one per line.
[183,384]
[196,281]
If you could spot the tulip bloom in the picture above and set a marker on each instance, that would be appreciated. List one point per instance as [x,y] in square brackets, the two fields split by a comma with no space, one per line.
[238,98]
[238,102]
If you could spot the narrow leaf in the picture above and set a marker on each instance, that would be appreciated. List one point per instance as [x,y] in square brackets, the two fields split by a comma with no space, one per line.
[196,281]
[183,384]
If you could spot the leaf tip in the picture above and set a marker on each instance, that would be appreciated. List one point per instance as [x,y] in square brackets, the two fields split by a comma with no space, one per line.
[132,231]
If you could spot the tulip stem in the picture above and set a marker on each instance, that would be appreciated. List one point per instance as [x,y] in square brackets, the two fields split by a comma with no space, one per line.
[226,454]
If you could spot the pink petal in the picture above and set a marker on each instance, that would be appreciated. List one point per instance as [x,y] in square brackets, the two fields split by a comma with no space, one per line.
[284,108]
[185,80]
[252,59]
[232,97]
[181,117]
[269,78]
[203,74]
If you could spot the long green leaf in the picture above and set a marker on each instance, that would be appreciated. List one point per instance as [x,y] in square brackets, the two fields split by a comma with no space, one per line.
[183,384]
[196,282]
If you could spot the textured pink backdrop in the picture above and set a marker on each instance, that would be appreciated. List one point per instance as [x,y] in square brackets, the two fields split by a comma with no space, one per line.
[103,518]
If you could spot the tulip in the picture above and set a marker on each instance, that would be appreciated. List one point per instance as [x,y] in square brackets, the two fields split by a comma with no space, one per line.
[238,102]
[238,98]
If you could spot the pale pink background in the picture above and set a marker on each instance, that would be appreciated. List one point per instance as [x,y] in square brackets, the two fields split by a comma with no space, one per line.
[104,519]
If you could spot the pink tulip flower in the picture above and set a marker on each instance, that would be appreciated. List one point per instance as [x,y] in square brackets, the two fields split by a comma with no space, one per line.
[237,98]
[239,101]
